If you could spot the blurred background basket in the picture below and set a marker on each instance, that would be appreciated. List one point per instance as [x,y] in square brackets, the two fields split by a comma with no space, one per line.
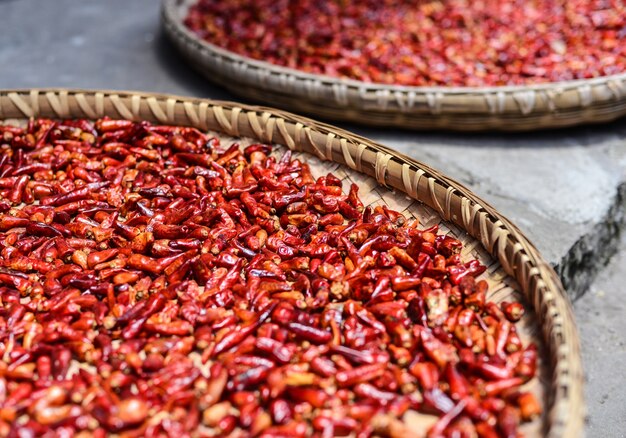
[515,269]
[506,108]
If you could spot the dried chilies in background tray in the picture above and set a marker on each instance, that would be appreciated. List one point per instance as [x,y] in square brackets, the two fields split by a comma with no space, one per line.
[424,43]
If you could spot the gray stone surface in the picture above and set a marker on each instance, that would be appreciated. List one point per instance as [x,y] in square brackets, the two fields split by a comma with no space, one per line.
[600,316]
[112,44]
[566,189]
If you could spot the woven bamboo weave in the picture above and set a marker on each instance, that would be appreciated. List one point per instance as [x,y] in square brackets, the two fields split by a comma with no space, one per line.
[516,270]
[505,108]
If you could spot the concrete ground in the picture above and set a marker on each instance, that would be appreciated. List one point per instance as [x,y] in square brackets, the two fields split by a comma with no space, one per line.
[565,189]
[600,316]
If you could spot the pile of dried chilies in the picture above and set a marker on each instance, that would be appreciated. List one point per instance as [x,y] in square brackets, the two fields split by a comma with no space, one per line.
[424,42]
[153,281]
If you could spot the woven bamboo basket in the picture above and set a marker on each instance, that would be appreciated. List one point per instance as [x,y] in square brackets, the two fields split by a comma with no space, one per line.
[516,271]
[505,108]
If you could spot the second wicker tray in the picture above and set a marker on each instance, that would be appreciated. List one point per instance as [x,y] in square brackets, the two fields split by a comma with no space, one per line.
[513,108]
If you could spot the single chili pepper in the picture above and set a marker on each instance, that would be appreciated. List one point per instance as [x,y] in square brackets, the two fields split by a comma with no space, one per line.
[17,191]
[108,125]
[323,366]
[234,338]
[309,333]
[361,374]
[513,311]
[277,350]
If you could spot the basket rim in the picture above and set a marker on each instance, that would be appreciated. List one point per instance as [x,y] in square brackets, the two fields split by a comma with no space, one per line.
[171,15]
[451,200]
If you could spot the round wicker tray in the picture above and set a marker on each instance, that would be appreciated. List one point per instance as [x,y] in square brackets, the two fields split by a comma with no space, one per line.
[516,270]
[512,108]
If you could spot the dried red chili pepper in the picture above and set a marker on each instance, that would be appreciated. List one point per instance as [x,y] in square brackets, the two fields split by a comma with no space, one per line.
[137,298]
[423,42]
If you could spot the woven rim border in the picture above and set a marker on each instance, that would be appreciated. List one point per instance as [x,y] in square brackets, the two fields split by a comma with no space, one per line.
[451,200]
[458,108]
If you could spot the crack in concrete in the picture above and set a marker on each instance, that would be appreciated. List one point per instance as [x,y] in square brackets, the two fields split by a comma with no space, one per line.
[593,251]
